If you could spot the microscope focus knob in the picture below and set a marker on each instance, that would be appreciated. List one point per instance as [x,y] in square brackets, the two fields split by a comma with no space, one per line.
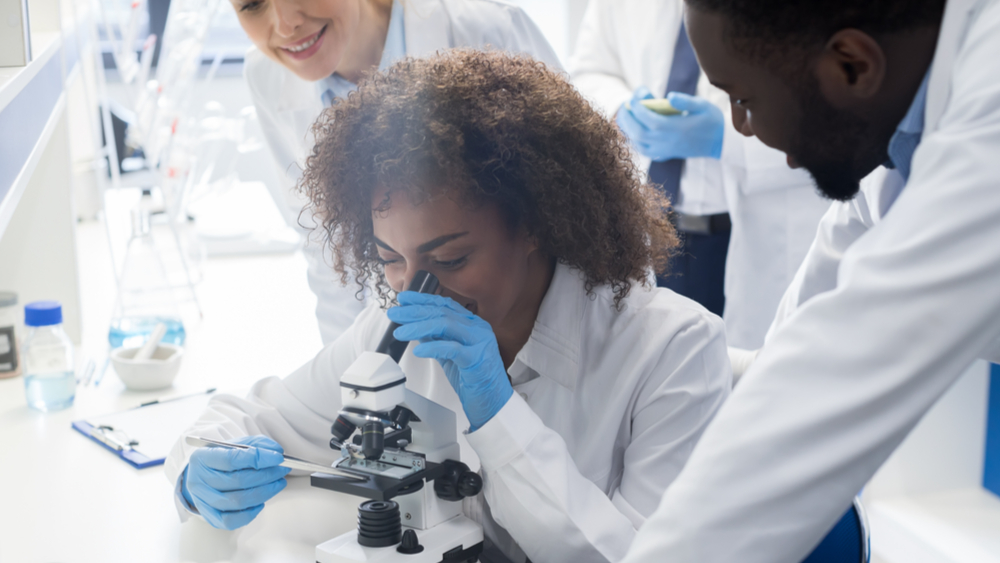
[457,482]
[470,484]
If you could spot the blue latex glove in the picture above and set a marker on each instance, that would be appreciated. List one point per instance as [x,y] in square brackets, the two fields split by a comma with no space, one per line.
[229,486]
[465,346]
[698,132]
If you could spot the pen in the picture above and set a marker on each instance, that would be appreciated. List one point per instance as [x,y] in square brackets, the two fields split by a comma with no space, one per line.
[99,375]
[88,372]
[158,401]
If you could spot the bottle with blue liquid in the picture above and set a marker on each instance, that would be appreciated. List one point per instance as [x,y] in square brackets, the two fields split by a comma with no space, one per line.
[47,353]
[145,294]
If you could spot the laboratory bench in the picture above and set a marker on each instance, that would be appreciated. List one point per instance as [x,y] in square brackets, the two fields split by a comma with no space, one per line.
[66,499]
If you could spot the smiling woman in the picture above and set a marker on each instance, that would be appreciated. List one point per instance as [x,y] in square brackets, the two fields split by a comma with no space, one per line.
[317,38]
[583,388]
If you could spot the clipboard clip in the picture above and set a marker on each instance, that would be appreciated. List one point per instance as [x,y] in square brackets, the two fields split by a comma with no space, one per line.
[114,439]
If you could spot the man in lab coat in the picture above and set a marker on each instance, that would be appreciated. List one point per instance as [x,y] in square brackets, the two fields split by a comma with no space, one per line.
[901,289]
[774,210]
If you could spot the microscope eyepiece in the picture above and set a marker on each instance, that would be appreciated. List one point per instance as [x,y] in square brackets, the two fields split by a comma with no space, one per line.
[423,282]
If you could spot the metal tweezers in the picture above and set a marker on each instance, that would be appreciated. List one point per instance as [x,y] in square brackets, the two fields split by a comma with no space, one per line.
[291,462]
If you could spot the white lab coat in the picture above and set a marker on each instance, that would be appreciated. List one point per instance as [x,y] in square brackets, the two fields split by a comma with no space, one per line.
[607,406]
[899,294]
[287,107]
[626,44]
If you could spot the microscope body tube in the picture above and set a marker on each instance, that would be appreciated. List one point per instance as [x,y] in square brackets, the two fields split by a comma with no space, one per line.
[423,282]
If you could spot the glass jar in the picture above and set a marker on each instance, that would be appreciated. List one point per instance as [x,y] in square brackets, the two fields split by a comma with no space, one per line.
[47,353]
[9,366]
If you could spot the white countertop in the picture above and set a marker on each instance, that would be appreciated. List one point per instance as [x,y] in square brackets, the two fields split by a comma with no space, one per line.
[66,499]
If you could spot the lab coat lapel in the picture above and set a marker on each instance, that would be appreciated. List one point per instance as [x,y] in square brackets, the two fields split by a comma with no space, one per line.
[958,16]
[553,350]
[296,94]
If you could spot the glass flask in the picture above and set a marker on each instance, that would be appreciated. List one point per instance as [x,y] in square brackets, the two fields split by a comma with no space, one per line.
[145,295]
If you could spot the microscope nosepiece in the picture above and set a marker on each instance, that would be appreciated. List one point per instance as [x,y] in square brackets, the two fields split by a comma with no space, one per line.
[341,430]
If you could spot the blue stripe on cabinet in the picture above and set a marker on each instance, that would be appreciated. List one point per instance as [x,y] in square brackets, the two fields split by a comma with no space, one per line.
[991,471]
[24,119]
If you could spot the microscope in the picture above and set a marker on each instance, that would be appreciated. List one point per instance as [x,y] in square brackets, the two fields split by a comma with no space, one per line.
[406,449]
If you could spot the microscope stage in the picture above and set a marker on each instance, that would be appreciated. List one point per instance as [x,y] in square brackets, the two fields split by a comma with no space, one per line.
[377,487]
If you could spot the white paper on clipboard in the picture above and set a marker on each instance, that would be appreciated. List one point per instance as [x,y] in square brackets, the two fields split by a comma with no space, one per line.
[156,427]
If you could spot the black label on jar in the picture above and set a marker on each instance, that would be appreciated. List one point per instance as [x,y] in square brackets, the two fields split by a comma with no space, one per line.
[8,349]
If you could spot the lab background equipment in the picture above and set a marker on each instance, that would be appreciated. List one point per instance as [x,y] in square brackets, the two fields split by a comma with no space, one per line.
[145,294]
[15,42]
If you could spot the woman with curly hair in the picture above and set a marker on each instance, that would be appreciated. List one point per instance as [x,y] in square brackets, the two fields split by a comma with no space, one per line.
[583,388]
[309,53]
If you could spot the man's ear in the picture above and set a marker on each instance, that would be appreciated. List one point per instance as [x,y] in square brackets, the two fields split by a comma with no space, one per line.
[851,68]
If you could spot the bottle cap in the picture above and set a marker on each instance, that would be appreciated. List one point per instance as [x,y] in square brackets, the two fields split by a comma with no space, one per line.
[43,313]
[8,298]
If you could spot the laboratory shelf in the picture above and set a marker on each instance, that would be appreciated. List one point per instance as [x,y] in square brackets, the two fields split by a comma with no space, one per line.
[31,103]
[37,218]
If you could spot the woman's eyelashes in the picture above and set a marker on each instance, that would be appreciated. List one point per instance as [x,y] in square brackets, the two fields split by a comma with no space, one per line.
[450,264]
[440,264]
[251,6]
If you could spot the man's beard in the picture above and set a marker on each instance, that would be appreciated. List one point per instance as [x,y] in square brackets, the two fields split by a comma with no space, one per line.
[836,147]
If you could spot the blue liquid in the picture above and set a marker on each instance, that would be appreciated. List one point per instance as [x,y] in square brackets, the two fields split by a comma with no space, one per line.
[50,391]
[132,332]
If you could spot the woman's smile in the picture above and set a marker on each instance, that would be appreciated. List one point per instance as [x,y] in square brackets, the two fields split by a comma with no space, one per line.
[305,48]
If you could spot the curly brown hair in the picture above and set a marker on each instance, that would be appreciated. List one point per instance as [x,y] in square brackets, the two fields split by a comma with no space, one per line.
[488,128]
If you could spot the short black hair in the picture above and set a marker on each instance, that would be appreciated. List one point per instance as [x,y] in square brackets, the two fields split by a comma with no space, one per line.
[761,26]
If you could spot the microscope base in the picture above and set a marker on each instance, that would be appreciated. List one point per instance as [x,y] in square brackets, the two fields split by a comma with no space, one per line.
[458,532]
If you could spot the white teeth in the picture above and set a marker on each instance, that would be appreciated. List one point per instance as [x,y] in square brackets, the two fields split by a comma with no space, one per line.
[304,46]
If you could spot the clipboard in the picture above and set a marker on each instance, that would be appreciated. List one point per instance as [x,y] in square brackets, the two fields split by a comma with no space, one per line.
[143,436]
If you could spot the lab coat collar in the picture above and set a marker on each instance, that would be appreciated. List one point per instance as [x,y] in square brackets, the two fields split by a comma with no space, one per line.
[427,27]
[958,16]
[553,349]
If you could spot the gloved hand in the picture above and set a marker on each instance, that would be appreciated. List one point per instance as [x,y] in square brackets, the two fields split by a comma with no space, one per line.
[465,346]
[229,486]
[697,132]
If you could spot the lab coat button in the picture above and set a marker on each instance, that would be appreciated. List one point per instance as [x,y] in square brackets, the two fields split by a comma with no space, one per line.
[524,396]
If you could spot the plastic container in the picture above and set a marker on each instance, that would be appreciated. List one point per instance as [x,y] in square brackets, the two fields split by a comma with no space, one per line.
[145,295]
[9,365]
[47,353]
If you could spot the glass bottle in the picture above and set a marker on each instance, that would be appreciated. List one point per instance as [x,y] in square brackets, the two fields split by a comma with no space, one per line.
[49,381]
[145,295]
